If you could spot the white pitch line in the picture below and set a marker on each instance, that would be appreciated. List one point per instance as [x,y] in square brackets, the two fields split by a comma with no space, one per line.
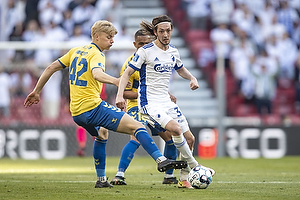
[221,182]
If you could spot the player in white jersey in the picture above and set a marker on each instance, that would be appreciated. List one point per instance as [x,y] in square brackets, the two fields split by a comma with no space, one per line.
[155,63]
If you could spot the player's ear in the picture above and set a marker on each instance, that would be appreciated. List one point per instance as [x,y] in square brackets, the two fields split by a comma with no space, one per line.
[96,36]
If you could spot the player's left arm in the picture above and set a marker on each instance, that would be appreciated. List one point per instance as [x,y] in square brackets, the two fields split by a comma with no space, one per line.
[101,76]
[184,73]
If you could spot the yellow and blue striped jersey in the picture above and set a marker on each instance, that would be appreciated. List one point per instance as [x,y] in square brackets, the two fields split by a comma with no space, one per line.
[84,89]
[134,80]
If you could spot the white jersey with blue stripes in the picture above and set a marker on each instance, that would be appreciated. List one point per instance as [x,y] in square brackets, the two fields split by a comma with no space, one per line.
[155,67]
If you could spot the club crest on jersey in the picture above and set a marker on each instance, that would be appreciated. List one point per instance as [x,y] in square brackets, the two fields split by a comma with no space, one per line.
[135,58]
[163,68]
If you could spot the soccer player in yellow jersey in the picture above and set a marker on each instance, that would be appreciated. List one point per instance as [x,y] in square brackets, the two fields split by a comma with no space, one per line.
[131,94]
[86,75]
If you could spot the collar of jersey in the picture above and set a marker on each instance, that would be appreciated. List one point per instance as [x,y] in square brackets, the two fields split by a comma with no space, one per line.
[96,46]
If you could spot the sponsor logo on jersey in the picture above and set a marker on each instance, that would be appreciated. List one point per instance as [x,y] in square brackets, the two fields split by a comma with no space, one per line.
[163,68]
[101,65]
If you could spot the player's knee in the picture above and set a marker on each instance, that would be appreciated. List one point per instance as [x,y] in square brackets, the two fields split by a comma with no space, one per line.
[175,129]
[102,134]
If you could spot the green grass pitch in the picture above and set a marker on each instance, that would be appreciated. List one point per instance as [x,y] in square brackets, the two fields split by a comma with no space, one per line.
[74,178]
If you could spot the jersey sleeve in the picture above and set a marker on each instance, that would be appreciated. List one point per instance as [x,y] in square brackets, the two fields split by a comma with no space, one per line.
[178,62]
[98,61]
[138,60]
[65,59]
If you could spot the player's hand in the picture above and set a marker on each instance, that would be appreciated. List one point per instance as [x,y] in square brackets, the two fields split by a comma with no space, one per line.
[120,103]
[194,84]
[173,98]
[32,98]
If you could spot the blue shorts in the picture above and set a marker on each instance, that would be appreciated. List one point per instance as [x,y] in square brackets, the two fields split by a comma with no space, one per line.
[104,115]
[135,114]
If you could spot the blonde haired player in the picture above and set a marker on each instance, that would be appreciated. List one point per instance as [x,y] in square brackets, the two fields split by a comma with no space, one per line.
[86,75]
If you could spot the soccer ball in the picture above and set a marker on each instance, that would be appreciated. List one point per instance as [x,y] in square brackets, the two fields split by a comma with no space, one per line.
[200,177]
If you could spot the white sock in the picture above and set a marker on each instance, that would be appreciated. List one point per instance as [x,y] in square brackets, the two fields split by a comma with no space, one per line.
[120,174]
[169,176]
[184,173]
[183,147]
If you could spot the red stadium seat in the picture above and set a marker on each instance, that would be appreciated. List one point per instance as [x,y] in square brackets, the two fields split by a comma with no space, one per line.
[196,35]
[243,110]
[197,46]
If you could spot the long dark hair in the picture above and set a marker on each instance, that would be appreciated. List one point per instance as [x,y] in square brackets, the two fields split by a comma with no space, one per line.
[151,27]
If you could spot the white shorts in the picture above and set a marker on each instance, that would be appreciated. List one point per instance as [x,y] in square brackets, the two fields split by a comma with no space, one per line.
[159,115]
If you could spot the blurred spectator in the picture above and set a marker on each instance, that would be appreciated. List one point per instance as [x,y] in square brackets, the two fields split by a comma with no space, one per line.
[198,12]
[68,23]
[31,10]
[51,97]
[222,38]
[73,4]
[59,5]
[5,83]
[15,16]
[13,26]
[287,57]
[56,33]
[49,13]
[264,70]
[287,16]
[259,32]
[276,28]
[221,11]
[243,17]
[21,81]
[31,31]
[242,36]
[110,10]
[272,47]
[82,15]
[266,14]
[78,35]
[241,58]
[42,57]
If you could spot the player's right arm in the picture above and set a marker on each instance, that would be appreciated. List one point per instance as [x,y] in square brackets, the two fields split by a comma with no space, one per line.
[34,96]
[120,102]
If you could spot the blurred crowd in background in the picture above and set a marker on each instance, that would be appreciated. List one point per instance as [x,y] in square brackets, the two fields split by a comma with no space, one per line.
[258,39]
